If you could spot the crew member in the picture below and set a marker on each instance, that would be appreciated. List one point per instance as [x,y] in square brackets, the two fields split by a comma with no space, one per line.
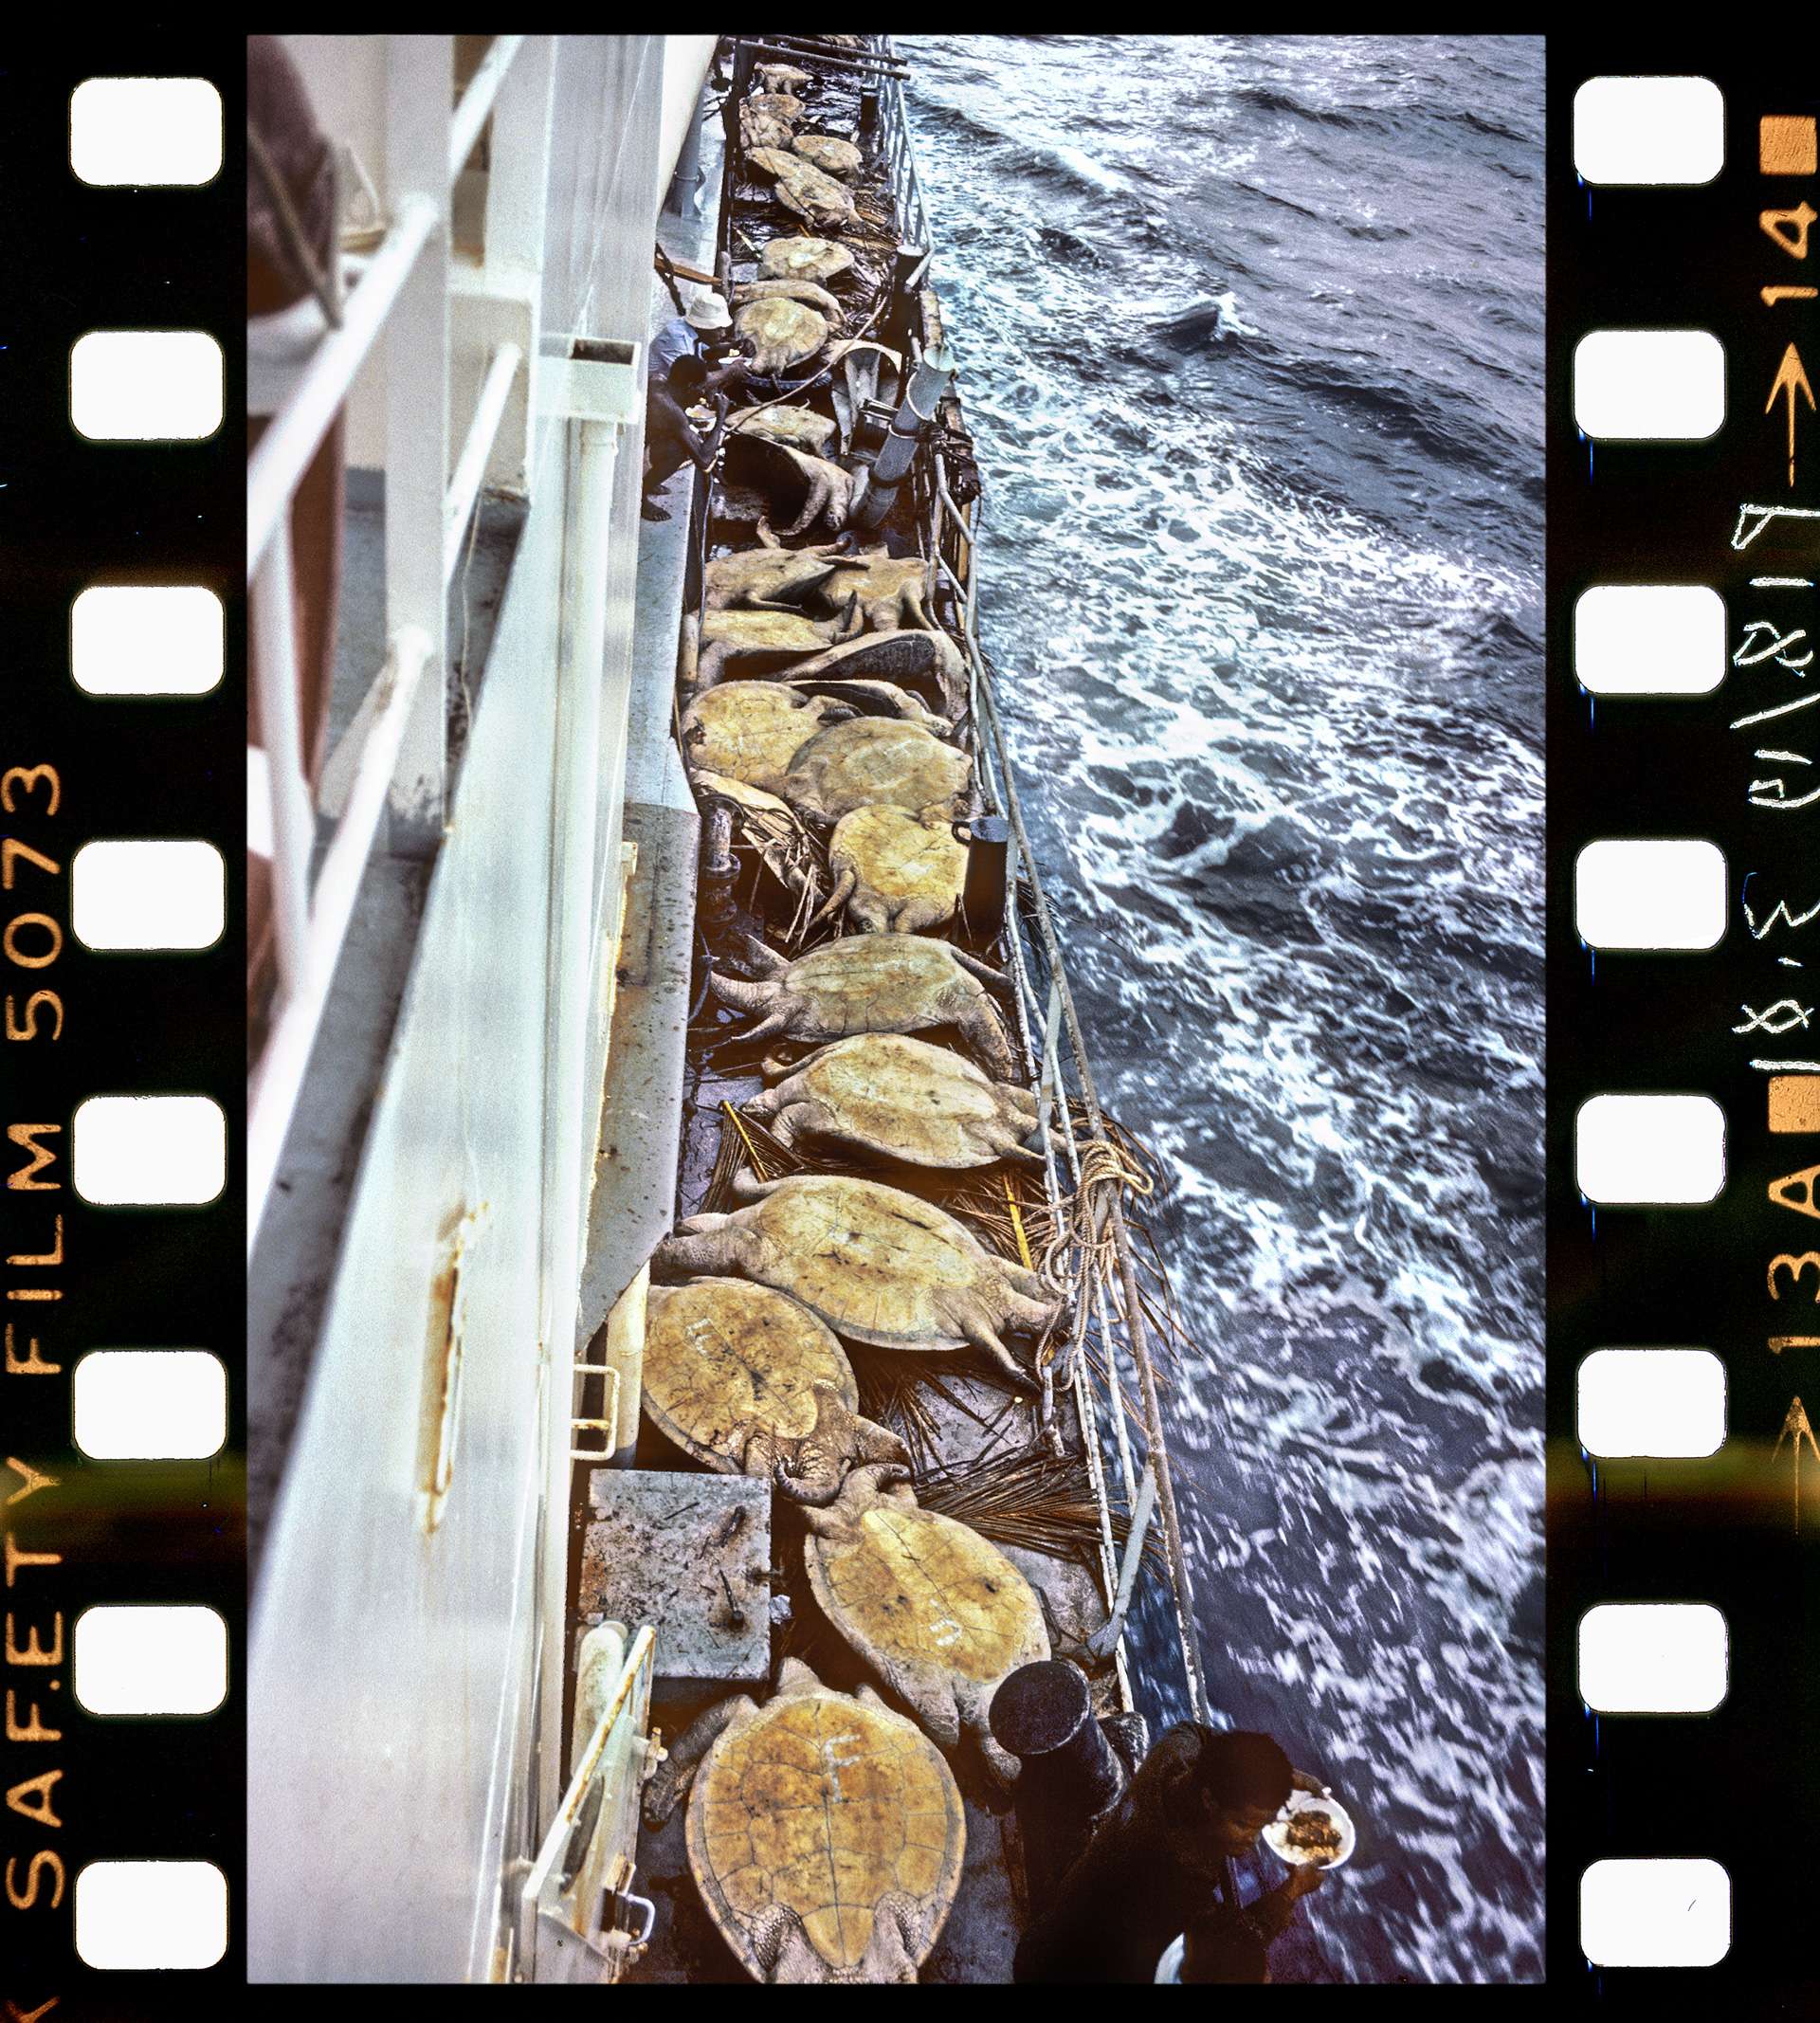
[1161,1866]
[681,375]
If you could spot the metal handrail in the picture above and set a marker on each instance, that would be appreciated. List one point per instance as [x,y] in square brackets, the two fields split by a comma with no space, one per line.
[1061,1015]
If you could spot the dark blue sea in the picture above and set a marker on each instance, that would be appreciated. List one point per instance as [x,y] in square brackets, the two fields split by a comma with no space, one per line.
[1251,343]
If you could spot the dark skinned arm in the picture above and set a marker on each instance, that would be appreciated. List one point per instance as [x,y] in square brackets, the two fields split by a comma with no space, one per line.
[667,412]
[730,378]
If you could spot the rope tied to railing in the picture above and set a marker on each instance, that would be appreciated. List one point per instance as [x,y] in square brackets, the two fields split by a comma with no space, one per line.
[1083,1248]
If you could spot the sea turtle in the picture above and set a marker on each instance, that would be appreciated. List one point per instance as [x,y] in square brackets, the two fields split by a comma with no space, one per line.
[797,257]
[891,589]
[760,129]
[751,730]
[775,105]
[794,289]
[872,983]
[929,664]
[832,157]
[875,699]
[773,580]
[782,333]
[749,1382]
[762,641]
[939,1614]
[884,1093]
[804,189]
[894,872]
[782,77]
[826,1831]
[801,427]
[761,474]
[878,1265]
[875,763]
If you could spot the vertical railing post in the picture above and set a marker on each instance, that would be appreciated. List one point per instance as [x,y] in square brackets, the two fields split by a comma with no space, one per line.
[420,82]
[274,616]
[518,183]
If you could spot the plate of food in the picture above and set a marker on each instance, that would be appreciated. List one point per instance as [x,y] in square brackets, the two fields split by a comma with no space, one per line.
[1312,1829]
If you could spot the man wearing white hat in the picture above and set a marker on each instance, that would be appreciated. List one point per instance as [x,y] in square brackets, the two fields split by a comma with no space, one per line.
[678,378]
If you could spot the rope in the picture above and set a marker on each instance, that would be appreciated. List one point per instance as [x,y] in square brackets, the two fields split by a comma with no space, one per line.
[1084,1227]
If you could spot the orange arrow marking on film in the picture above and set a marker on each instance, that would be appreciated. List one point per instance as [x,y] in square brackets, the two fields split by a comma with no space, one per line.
[1789,379]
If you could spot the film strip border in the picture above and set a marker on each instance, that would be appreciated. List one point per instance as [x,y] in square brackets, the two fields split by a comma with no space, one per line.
[123,1063]
[1684,956]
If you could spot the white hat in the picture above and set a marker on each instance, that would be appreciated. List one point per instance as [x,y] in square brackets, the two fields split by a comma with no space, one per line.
[706,311]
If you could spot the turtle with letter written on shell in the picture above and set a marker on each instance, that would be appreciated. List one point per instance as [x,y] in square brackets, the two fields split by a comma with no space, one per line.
[825,1831]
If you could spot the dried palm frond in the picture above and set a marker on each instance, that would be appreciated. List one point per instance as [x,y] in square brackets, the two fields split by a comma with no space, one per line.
[1036,1500]
[893,1390]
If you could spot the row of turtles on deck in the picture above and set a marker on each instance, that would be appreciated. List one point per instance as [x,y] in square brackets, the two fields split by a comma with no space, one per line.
[826,1830]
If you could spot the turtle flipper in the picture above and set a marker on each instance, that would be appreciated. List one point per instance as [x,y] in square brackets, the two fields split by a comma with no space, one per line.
[673,1776]
[984,1030]
[889,1956]
[782,1949]
[976,1324]
[1003,1765]
[838,898]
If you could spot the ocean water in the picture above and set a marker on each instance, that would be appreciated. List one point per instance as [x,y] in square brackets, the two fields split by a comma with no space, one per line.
[1251,343]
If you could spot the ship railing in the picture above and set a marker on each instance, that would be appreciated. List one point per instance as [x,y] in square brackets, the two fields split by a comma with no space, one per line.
[1138,1478]
[394,761]
[1049,1027]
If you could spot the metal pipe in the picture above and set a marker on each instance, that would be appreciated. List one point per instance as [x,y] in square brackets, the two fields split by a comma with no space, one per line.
[908,425]
[1108,1633]
[465,487]
[572,987]
[1068,1773]
[273,1087]
[776,45]
[281,728]
[276,467]
[476,101]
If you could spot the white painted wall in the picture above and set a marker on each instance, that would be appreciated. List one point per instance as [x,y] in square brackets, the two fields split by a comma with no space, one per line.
[398,1674]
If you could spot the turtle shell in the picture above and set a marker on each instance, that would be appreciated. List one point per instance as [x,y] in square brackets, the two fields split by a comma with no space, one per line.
[795,290]
[750,731]
[722,1356]
[799,428]
[910,1101]
[782,631]
[870,1259]
[873,762]
[803,188]
[783,332]
[801,258]
[901,864]
[832,157]
[824,1804]
[878,983]
[775,105]
[910,1587]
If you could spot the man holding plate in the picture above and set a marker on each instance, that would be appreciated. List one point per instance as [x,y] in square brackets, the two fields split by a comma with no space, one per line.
[1161,1861]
